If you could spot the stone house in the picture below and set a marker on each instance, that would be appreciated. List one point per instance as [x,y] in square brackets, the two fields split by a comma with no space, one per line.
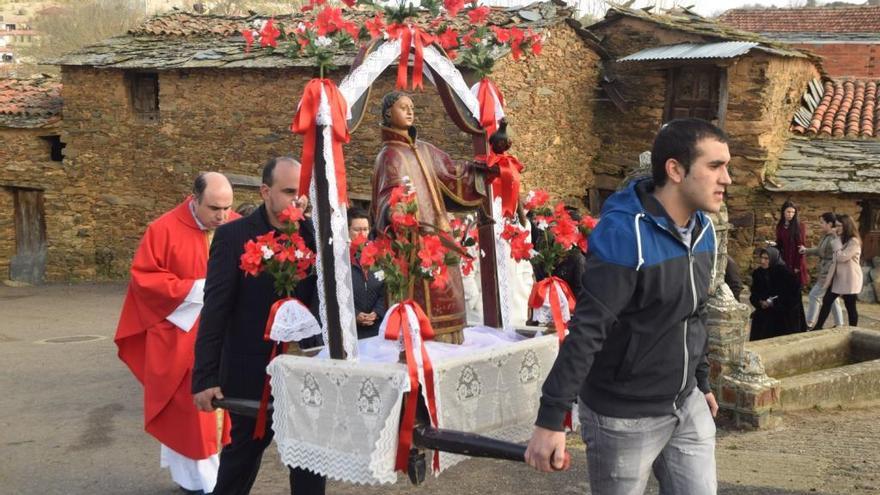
[144,113]
[847,38]
[683,65]
[832,162]
[33,180]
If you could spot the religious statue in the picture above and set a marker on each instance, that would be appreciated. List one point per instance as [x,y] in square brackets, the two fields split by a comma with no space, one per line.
[440,183]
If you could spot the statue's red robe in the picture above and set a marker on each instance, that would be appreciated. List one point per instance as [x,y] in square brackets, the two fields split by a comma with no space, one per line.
[439,182]
[172,255]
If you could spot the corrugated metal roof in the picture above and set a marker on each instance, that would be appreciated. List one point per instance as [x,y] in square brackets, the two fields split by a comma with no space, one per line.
[724,49]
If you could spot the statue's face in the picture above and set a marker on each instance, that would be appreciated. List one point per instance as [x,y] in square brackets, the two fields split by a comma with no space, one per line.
[401,114]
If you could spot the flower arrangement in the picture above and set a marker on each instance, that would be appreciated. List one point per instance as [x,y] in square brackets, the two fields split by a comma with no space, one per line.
[331,33]
[409,251]
[283,255]
[551,298]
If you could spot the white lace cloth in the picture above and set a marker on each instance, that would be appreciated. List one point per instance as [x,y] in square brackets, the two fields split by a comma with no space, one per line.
[341,419]
[293,322]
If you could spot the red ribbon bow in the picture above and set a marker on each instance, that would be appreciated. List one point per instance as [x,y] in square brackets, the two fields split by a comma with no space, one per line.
[398,324]
[410,36]
[545,288]
[304,122]
[487,105]
[260,426]
[506,185]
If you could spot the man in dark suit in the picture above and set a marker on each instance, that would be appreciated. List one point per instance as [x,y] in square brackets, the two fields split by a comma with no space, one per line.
[230,353]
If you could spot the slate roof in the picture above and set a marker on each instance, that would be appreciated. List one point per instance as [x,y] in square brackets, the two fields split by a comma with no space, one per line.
[187,40]
[841,108]
[685,20]
[30,103]
[828,166]
[856,19]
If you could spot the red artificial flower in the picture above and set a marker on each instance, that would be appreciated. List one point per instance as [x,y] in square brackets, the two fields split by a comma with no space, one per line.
[452,54]
[467,265]
[441,277]
[589,222]
[352,29]
[516,39]
[537,46]
[356,245]
[470,39]
[520,248]
[536,199]
[584,244]
[329,21]
[248,36]
[448,39]
[291,214]
[349,3]
[432,251]
[479,15]
[563,228]
[269,34]
[375,26]
[510,231]
[501,35]
[453,6]
[268,239]
[251,261]
[401,194]
[403,219]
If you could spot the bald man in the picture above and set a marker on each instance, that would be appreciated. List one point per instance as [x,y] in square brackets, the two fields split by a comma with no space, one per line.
[231,355]
[157,330]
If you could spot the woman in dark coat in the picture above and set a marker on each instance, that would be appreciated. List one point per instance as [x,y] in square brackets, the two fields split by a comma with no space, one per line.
[791,238]
[776,297]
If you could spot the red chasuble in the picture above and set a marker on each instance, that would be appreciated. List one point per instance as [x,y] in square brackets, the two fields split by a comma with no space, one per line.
[172,255]
[438,182]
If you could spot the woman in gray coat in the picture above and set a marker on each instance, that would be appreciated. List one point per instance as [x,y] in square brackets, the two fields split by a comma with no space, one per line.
[828,245]
[845,275]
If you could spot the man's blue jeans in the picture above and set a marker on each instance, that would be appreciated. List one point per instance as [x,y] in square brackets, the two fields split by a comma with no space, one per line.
[679,447]
[816,294]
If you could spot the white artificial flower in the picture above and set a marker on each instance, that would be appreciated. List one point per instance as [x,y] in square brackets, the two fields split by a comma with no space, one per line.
[259,24]
[298,254]
[323,41]
[542,224]
[482,253]
[380,275]
[267,252]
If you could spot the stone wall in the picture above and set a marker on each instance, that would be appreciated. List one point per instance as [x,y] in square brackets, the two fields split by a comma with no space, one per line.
[764,92]
[550,109]
[26,163]
[125,171]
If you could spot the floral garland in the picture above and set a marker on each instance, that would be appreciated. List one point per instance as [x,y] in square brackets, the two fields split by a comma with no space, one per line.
[331,33]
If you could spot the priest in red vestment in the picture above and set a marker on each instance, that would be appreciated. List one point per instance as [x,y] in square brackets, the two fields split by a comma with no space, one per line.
[157,330]
[439,182]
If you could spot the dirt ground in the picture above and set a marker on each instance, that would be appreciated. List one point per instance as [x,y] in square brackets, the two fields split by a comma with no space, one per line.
[71,422]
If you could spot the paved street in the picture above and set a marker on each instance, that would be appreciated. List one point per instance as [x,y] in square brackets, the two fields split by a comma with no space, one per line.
[71,423]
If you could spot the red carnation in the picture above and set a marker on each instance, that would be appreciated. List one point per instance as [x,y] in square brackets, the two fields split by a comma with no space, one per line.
[453,6]
[375,26]
[479,15]
[291,214]
[269,34]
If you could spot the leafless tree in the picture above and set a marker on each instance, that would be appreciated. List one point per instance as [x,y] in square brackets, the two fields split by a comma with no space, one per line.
[79,23]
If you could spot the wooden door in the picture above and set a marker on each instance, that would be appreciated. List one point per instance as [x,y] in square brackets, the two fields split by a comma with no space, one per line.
[693,92]
[29,263]
[870,230]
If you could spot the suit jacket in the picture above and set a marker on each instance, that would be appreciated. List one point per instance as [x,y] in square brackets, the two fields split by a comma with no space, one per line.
[230,351]
[369,297]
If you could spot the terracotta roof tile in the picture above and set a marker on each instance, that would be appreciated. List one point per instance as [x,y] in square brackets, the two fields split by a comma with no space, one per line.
[33,102]
[843,108]
[863,19]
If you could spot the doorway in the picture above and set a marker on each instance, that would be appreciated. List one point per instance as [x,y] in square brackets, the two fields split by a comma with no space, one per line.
[29,262]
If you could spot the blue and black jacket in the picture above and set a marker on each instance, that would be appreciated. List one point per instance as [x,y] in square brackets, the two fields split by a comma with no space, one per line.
[637,340]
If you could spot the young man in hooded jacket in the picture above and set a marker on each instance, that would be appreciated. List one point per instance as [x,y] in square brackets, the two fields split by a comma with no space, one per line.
[636,352]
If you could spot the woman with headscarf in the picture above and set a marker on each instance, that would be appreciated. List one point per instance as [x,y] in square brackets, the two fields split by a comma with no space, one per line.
[790,240]
[776,297]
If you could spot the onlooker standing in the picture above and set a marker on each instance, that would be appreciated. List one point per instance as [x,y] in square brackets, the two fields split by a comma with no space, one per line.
[790,239]
[845,275]
[776,296]
[829,244]
[369,291]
